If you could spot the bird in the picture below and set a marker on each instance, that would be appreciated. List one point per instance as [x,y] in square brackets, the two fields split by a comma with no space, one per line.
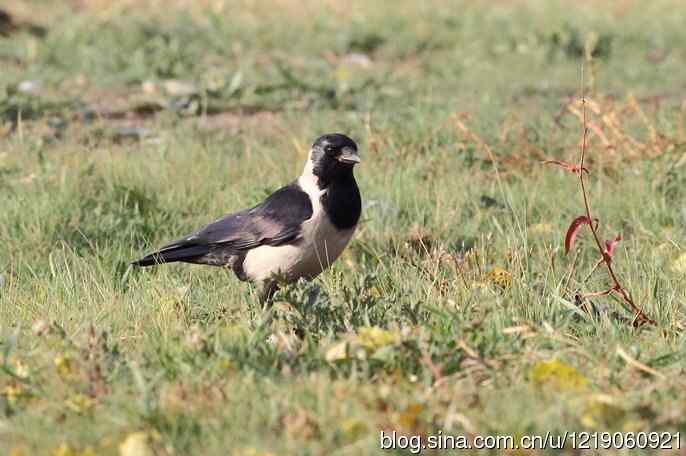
[296,232]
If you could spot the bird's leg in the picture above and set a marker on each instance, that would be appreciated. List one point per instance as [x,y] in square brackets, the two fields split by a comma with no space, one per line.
[269,288]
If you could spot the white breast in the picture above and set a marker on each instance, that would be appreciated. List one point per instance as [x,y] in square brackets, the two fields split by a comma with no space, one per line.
[319,246]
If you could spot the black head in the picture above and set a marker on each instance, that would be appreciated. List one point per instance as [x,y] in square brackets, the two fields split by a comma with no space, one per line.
[333,156]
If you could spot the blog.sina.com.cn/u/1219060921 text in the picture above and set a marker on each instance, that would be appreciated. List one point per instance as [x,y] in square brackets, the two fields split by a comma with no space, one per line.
[415,444]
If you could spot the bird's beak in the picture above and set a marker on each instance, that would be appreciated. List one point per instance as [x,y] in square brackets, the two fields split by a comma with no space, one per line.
[349,155]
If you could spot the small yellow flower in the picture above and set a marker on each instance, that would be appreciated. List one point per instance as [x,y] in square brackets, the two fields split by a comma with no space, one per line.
[79,403]
[499,277]
[136,444]
[373,337]
[374,292]
[66,450]
[558,375]
[17,452]
[679,265]
[251,452]
[63,364]
[601,411]
[13,393]
[20,369]
[354,429]
[225,363]
[409,417]
[337,351]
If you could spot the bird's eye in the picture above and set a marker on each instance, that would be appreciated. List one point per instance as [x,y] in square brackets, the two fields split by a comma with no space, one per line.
[329,149]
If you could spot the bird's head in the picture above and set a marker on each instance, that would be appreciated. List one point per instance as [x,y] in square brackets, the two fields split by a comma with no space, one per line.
[333,156]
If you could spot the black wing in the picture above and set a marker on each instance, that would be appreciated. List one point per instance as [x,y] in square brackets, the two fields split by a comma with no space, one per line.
[275,221]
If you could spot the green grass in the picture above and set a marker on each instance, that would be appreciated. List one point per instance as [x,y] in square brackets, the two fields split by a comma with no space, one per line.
[453,307]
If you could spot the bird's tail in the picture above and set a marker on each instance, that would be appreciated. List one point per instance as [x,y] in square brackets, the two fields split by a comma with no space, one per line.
[186,253]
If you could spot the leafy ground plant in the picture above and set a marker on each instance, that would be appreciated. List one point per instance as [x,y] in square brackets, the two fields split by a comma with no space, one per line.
[605,248]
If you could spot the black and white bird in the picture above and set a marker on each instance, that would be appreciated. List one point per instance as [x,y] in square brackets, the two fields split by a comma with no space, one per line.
[298,231]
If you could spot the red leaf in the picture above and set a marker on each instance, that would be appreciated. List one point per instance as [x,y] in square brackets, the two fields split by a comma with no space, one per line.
[565,165]
[611,244]
[573,230]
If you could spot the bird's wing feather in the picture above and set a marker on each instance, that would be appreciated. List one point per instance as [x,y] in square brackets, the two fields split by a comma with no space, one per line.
[275,221]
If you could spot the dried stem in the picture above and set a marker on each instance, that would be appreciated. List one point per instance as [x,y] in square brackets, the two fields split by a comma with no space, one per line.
[640,318]
[600,293]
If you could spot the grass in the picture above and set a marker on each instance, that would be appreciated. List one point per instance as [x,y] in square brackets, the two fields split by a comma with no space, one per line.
[453,309]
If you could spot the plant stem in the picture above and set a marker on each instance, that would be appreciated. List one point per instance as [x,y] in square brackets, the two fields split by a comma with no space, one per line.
[640,318]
